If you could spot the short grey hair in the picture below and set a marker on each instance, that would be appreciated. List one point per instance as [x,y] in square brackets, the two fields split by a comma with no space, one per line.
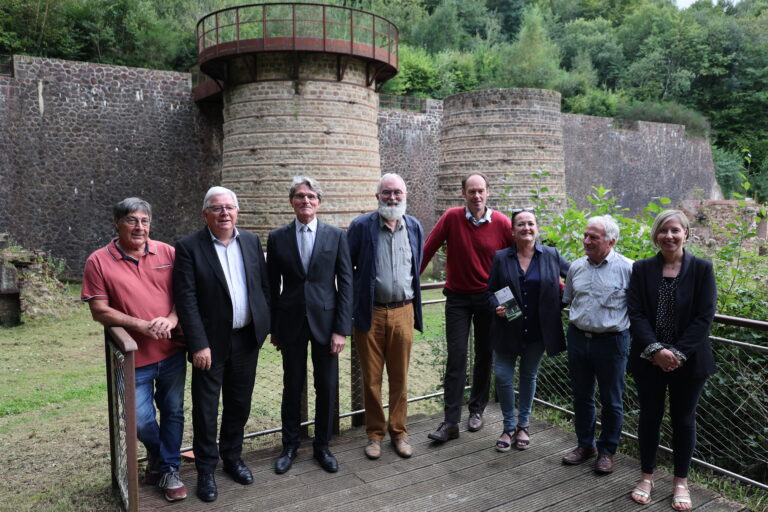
[664,217]
[388,176]
[218,191]
[609,225]
[311,183]
[130,205]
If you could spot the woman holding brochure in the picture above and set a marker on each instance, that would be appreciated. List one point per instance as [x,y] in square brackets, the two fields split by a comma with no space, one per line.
[524,291]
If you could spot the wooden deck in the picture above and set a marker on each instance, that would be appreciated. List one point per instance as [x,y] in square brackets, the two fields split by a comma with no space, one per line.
[464,474]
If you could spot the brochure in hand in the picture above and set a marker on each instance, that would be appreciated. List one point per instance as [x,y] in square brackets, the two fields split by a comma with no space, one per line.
[507,299]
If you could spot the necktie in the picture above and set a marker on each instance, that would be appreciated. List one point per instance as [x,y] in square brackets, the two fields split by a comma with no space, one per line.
[306,248]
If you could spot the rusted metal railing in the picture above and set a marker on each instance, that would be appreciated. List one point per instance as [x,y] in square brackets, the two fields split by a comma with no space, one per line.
[297,27]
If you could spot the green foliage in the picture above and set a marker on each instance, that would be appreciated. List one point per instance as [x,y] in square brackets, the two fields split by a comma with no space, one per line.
[595,102]
[728,170]
[695,124]
[417,76]
[565,229]
[533,59]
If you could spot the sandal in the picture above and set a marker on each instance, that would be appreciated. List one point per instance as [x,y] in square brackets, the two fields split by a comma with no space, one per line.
[681,499]
[503,446]
[522,444]
[642,493]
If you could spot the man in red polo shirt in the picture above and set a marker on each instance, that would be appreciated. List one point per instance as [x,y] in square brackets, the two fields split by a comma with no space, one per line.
[128,283]
[472,234]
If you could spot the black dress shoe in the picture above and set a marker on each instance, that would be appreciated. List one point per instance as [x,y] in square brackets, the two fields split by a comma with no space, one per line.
[285,461]
[326,460]
[206,487]
[239,472]
[444,432]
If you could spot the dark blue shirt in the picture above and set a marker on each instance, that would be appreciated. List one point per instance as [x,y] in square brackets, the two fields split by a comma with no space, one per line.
[528,327]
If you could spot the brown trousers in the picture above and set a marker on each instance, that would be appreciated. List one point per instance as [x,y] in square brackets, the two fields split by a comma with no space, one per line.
[387,343]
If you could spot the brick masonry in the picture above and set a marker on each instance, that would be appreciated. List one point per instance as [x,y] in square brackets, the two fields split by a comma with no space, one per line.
[77,137]
[317,126]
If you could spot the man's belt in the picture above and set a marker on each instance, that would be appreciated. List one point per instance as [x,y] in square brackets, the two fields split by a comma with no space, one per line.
[235,331]
[597,335]
[392,305]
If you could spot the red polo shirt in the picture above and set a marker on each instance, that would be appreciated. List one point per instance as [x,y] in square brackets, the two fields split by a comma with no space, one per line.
[143,290]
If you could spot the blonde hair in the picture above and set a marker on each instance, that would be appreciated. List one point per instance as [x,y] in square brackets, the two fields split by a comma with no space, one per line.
[665,217]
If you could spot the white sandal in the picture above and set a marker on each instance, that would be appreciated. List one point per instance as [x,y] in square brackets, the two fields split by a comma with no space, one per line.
[680,499]
[642,493]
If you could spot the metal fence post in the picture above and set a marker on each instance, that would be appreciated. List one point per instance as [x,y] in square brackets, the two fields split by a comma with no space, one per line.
[356,385]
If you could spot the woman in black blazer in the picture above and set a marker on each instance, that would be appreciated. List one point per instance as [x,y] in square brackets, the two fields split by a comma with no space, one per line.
[671,301]
[532,272]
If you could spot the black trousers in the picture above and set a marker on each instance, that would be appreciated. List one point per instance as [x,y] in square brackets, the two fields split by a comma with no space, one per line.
[326,376]
[460,310]
[232,377]
[684,393]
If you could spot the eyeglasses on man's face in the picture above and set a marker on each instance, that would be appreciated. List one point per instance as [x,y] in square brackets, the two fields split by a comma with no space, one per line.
[134,221]
[396,193]
[218,209]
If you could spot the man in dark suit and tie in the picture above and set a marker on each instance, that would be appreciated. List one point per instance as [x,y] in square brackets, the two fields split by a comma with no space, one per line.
[311,261]
[221,293]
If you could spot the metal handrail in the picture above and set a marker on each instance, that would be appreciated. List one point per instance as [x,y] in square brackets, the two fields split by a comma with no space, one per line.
[225,27]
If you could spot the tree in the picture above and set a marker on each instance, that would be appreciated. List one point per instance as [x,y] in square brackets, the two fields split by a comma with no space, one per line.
[598,38]
[533,60]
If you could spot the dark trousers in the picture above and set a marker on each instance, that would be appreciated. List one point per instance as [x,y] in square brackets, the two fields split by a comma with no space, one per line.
[233,378]
[326,375]
[460,310]
[603,360]
[684,393]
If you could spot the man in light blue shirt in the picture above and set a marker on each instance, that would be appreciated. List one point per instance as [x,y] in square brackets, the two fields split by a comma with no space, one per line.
[598,341]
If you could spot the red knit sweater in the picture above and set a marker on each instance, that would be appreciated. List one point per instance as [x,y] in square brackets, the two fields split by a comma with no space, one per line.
[470,248]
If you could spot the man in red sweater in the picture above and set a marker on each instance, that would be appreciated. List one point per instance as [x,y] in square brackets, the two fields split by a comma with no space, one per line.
[473,234]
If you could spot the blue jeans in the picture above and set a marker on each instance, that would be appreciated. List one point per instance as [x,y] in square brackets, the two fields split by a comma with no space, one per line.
[504,368]
[602,359]
[161,383]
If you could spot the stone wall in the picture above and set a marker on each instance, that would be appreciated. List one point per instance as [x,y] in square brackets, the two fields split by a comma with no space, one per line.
[408,145]
[77,137]
[638,161]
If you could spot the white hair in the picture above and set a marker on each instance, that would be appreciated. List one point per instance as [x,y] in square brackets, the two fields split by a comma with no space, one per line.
[218,191]
[609,225]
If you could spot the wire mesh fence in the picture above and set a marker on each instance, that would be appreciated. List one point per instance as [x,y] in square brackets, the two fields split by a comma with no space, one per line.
[732,411]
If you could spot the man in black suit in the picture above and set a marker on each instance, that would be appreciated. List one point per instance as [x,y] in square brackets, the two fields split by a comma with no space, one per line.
[222,299]
[311,261]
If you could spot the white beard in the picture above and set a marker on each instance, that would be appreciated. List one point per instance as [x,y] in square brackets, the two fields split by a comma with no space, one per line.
[394,212]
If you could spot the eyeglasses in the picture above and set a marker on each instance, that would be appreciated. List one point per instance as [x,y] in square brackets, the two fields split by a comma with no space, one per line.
[301,197]
[133,221]
[218,209]
[388,193]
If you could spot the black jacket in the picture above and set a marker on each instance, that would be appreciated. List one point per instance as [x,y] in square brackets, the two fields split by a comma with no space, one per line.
[695,303]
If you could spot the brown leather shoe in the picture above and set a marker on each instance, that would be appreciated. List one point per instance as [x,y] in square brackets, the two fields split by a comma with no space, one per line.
[604,464]
[402,447]
[579,455]
[444,432]
[373,449]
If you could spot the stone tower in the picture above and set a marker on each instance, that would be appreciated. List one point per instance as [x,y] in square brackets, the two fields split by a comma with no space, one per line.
[298,84]
[506,134]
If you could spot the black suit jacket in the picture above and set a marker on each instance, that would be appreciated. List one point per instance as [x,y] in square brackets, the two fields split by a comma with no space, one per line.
[552,267]
[323,294]
[695,303]
[202,297]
